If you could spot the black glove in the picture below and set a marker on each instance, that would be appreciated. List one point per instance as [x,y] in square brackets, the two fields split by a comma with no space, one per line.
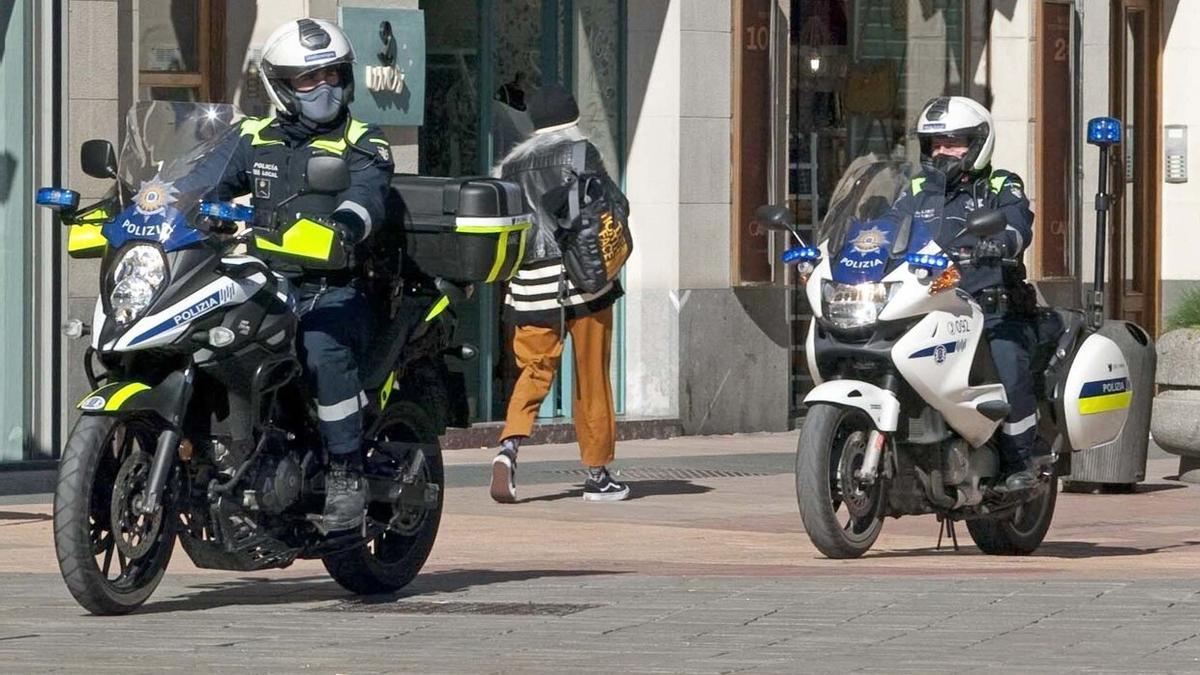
[990,249]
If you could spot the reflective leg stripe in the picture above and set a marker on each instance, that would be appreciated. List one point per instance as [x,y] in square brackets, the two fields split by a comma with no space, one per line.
[339,411]
[1018,428]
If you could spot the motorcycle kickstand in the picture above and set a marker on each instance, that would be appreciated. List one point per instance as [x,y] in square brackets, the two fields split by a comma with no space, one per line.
[946,526]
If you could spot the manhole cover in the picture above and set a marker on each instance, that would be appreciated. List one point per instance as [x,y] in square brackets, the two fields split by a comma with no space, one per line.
[485,608]
[661,474]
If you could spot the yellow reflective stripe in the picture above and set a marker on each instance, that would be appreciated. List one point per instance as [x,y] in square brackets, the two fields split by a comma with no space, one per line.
[386,392]
[918,184]
[438,307]
[356,130]
[253,127]
[305,239]
[501,254]
[85,238]
[379,141]
[96,214]
[998,183]
[332,147]
[490,229]
[118,399]
[1094,405]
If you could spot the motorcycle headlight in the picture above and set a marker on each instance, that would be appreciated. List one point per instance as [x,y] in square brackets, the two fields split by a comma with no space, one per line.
[136,278]
[850,306]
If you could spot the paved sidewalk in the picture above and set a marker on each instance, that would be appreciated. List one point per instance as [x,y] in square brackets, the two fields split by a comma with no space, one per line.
[706,571]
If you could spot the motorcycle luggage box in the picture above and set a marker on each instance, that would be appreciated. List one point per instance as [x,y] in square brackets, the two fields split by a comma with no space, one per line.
[1096,394]
[461,229]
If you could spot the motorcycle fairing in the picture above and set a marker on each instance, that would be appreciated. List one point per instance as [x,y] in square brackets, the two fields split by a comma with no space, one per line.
[864,258]
[880,405]
[167,227]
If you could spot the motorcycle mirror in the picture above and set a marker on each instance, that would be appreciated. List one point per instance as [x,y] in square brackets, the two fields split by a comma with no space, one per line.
[775,217]
[985,223]
[97,159]
[327,174]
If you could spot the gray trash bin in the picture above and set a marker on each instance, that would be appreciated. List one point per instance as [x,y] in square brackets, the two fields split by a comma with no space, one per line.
[1121,465]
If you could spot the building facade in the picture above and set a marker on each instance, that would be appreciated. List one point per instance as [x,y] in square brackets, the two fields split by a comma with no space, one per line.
[706,109]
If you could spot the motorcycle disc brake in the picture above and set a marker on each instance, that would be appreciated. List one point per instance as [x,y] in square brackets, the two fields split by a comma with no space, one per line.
[135,531]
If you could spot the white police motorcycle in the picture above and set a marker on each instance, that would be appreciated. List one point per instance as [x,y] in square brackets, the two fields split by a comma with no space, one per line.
[907,401]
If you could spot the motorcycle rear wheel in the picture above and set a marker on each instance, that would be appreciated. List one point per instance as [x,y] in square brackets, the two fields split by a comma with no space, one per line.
[1023,533]
[85,537]
[830,450]
[392,560]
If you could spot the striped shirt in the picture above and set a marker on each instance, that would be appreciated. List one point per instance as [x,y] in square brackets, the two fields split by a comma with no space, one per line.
[533,297]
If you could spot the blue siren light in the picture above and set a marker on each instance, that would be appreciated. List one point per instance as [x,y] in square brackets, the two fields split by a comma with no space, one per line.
[801,254]
[227,211]
[931,262]
[57,198]
[1104,131]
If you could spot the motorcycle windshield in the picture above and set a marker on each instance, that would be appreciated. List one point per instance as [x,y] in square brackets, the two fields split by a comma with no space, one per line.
[175,154]
[867,227]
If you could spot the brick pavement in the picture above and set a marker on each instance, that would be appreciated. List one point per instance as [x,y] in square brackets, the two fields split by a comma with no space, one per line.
[699,575]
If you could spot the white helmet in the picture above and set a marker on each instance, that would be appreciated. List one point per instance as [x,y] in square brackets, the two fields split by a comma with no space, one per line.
[299,47]
[958,117]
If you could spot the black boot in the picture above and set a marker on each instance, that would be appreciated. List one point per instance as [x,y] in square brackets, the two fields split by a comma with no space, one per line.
[1023,477]
[345,497]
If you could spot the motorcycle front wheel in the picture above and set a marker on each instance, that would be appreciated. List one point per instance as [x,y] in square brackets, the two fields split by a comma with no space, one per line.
[392,560]
[111,556]
[842,515]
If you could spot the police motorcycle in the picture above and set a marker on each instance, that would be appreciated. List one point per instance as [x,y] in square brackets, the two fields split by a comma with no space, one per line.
[200,426]
[907,400]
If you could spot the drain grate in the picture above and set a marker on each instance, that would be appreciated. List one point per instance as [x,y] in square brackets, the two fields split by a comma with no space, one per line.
[660,474]
[476,608]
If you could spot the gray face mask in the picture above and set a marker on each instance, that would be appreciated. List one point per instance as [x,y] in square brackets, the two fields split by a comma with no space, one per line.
[321,104]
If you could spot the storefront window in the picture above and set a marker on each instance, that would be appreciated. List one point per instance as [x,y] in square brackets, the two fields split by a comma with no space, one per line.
[484,57]
[861,72]
[15,211]
[179,49]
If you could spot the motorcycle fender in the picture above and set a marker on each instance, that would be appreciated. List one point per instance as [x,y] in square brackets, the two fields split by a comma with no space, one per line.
[880,405]
[123,398]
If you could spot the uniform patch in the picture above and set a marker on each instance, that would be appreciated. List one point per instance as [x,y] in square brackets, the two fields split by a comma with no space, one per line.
[385,153]
[262,188]
[1017,191]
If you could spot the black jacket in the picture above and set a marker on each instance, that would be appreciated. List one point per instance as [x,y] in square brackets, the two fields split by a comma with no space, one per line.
[946,210]
[538,172]
[269,164]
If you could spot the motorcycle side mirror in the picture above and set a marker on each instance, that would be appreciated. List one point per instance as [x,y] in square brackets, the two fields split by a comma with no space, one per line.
[327,174]
[985,223]
[97,159]
[775,217]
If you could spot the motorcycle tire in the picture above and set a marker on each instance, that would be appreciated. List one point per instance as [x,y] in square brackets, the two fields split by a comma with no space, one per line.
[83,530]
[392,560]
[828,432]
[1022,534]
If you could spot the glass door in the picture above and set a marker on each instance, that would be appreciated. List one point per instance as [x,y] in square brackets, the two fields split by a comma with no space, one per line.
[1133,267]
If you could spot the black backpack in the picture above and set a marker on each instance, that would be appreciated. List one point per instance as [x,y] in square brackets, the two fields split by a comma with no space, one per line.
[594,237]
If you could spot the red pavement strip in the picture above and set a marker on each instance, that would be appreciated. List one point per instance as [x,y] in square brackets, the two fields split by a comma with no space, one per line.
[747,526]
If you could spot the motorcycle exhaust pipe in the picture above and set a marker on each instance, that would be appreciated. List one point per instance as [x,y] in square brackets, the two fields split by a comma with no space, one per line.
[934,490]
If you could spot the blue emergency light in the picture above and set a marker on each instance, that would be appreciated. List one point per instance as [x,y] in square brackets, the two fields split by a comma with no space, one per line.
[57,198]
[1104,131]
[801,254]
[227,211]
[929,262]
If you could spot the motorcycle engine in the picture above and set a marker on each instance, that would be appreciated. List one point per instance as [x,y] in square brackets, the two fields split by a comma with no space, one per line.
[964,467]
[277,482]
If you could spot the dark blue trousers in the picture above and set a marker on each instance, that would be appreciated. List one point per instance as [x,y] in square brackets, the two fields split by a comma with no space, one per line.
[1011,337]
[333,334]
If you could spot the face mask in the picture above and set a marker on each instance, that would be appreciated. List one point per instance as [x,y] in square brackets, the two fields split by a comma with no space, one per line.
[951,167]
[321,104]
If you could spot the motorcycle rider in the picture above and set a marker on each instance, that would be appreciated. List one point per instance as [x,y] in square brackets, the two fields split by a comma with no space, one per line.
[957,137]
[306,68]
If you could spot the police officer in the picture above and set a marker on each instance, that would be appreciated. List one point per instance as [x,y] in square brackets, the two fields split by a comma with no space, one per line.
[306,69]
[957,137]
